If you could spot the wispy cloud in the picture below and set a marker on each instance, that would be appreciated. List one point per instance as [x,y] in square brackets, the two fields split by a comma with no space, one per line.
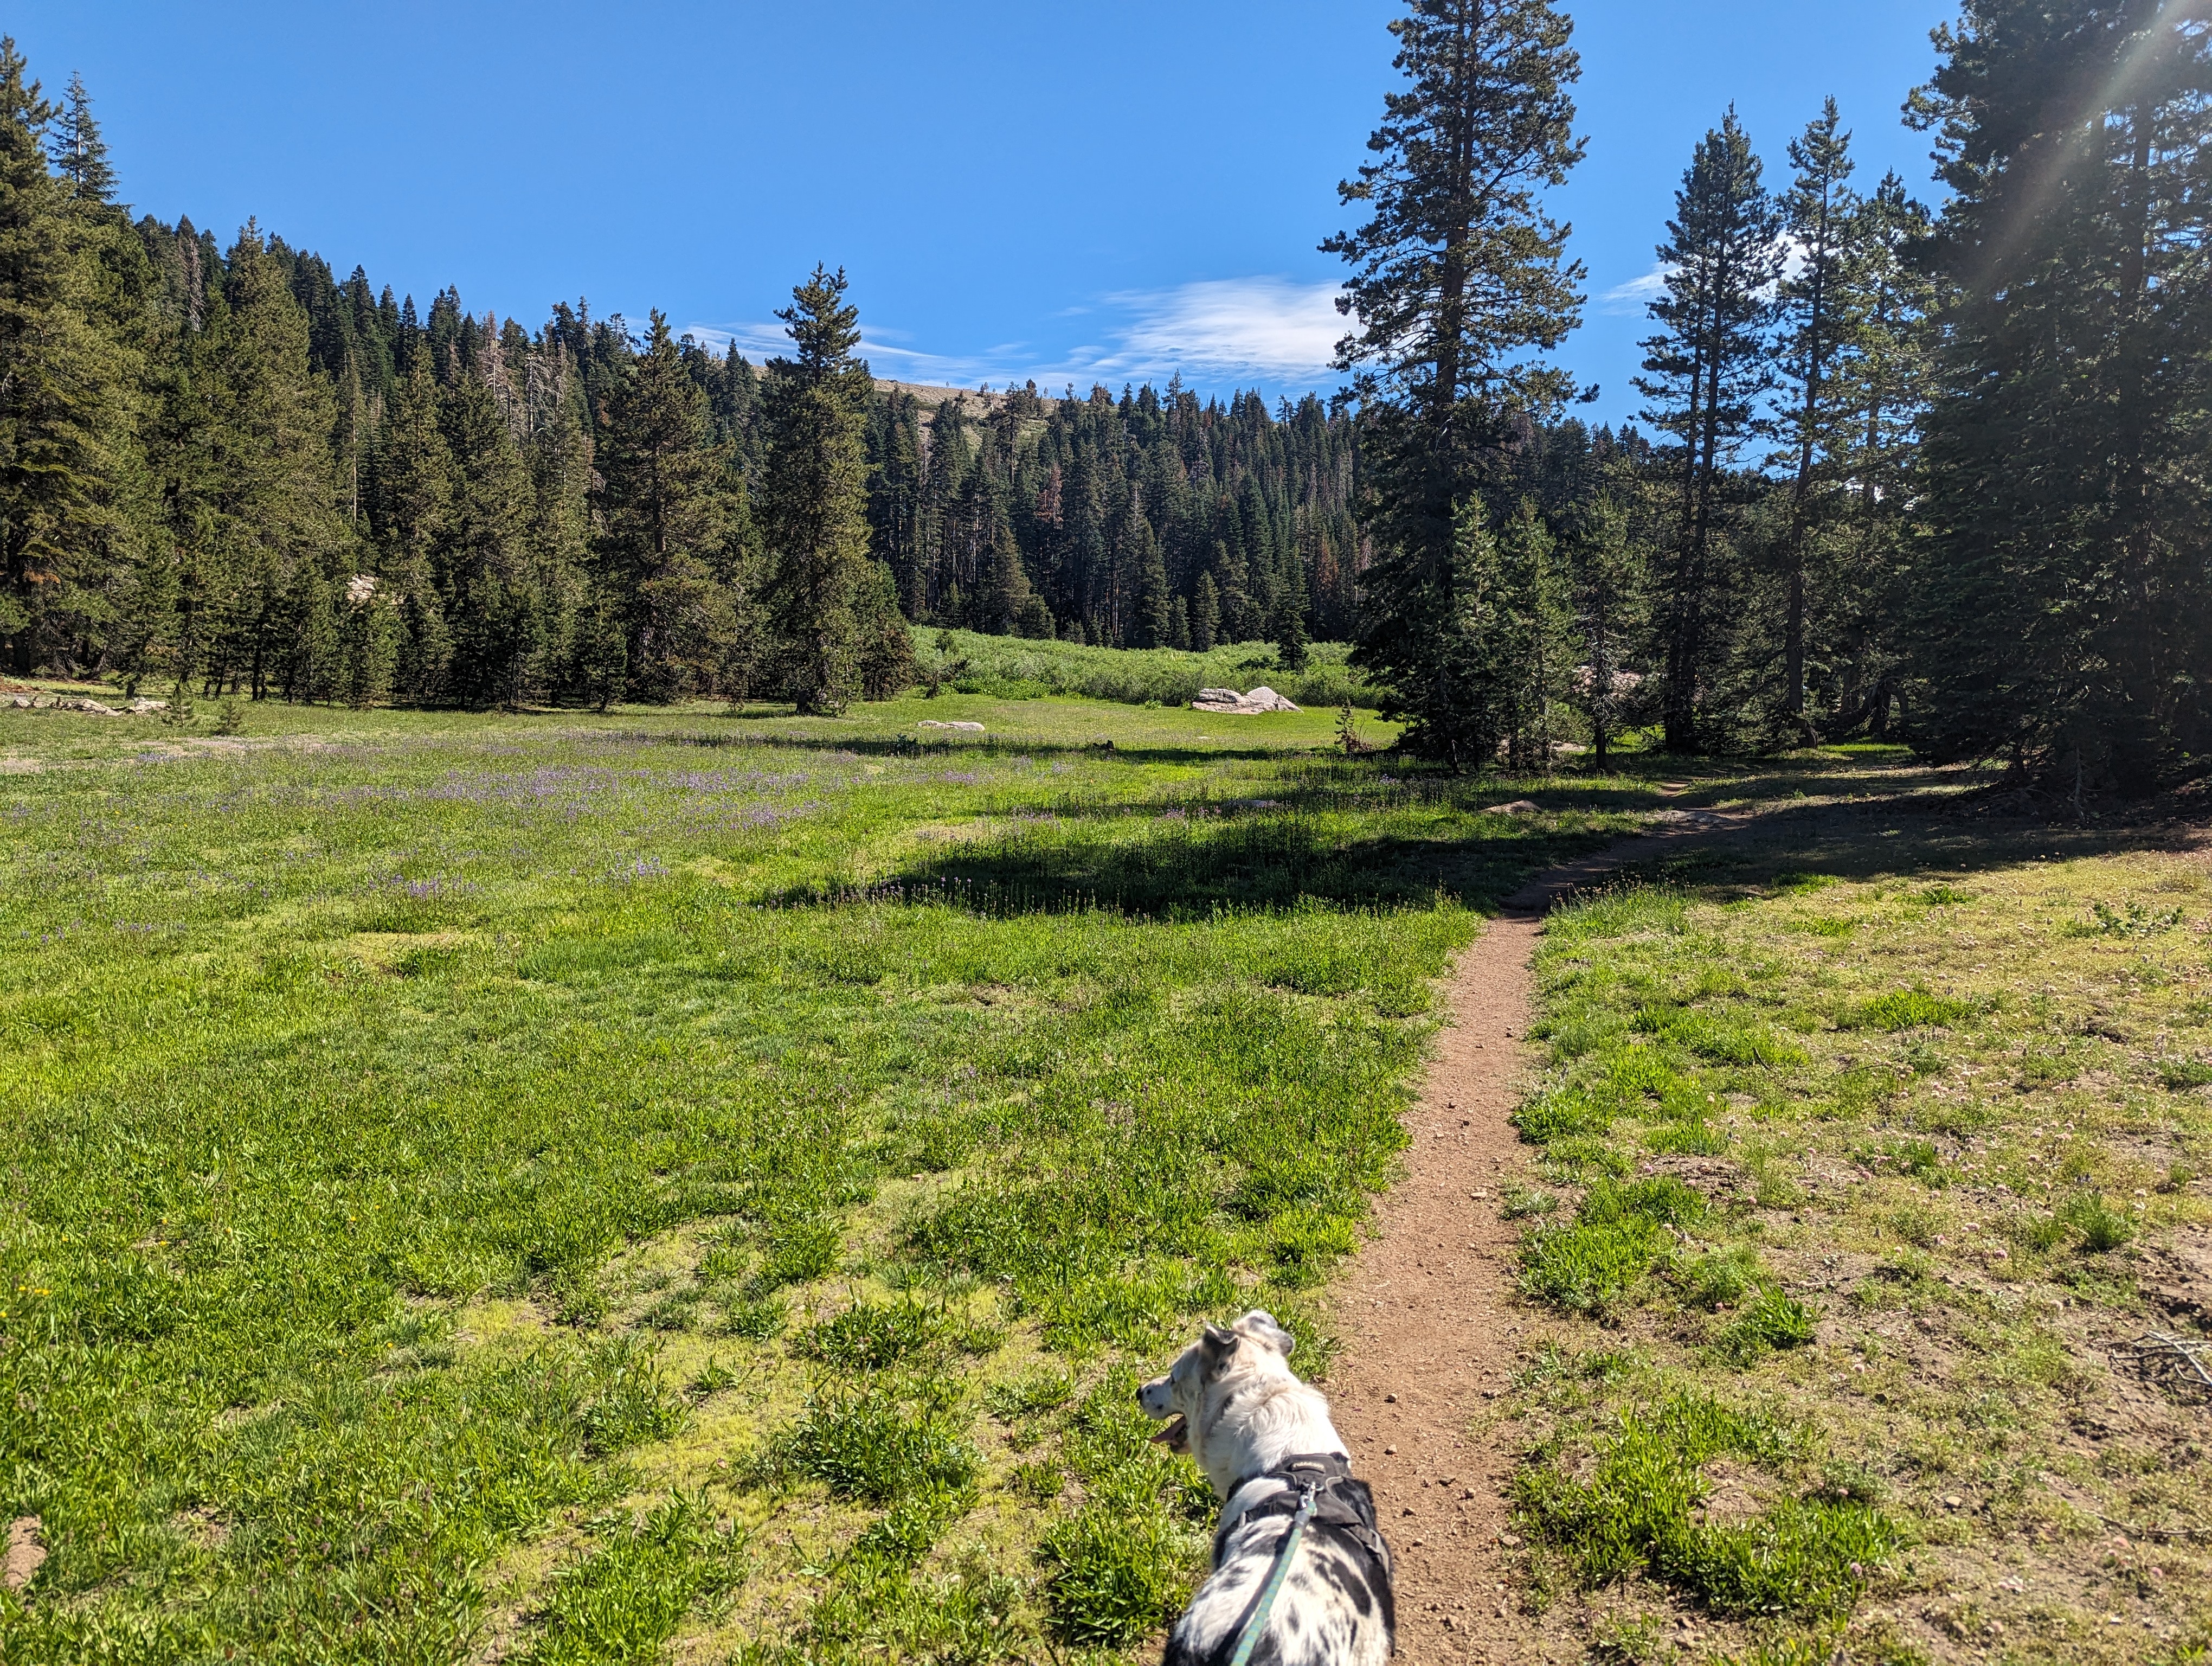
[1266,326]
[1247,329]
[1629,299]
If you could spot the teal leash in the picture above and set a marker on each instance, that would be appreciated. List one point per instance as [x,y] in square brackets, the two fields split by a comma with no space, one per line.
[1256,1626]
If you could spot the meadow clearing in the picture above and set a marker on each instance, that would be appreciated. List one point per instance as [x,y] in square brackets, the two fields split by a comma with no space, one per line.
[534,1187]
[1868,1146]
[702,1184]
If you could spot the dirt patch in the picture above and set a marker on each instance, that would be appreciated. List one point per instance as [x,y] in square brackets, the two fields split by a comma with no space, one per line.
[26,1553]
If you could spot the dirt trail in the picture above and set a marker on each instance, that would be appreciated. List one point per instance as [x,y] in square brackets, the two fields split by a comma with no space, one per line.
[1429,1325]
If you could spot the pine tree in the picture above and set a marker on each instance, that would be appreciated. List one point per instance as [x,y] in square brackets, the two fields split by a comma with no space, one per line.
[667,522]
[1606,579]
[493,607]
[2064,616]
[367,642]
[814,495]
[1818,216]
[884,661]
[1179,624]
[1205,614]
[1287,624]
[1709,370]
[275,480]
[1151,586]
[414,500]
[65,398]
[1459,283]
[79,154]
[1885,303]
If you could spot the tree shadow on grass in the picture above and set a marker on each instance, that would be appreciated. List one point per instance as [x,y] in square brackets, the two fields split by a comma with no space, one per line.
[1192,863]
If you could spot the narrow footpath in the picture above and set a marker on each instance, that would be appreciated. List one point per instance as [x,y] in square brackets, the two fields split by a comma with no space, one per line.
[1431,1328]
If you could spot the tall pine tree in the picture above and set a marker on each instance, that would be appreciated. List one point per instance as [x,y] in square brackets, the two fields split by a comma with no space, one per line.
[814,494]
[1459,282]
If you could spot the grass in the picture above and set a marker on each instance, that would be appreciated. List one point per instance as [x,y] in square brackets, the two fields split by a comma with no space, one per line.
[1020,668]
[1838,1373]
[574,1186]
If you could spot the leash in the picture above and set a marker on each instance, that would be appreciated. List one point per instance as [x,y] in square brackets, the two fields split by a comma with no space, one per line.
[1248,1639]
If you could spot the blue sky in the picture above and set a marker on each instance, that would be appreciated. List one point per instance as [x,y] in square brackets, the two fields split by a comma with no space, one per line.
[1074,190]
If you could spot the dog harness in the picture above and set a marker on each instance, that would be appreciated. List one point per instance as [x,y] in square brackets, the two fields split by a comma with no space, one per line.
[1317,1487]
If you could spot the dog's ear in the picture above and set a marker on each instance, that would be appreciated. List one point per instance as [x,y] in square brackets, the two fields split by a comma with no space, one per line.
[1216,1345]
[1261,1323]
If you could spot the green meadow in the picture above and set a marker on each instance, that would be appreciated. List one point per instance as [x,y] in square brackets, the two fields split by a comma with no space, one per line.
[559,1186]
[1871,1147]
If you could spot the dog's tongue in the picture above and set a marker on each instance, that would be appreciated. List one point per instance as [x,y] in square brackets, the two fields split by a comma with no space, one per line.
[1175,1436]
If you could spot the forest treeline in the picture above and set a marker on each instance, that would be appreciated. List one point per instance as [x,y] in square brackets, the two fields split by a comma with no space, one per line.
[1931,472]
[1937,471]
[230,469]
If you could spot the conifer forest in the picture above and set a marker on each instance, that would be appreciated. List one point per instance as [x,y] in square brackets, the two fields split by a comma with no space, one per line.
[1877,488]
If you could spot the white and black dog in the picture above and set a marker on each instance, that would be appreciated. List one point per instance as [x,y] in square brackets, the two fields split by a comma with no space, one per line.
[1262,1436]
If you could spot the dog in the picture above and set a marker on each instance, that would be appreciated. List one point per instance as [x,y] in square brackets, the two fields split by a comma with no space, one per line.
[1262,1436]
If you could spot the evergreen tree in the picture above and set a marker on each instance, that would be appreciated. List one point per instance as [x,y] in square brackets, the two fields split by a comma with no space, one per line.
[2065,619]
[275,481]
[493,607]
[1885,303]
[367,642]
[814,493]
[1459,283]
[1606,579]
[1709,370]
[1819,218]
[79,154]
[414,505]
[66,399]
[667,520]
[1287,624]
[1152,611]
[1205,614]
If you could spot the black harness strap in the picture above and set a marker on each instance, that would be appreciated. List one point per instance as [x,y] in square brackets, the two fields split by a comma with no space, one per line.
[1341,1502]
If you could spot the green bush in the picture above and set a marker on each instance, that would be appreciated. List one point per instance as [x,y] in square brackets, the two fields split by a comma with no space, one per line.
[1017,667]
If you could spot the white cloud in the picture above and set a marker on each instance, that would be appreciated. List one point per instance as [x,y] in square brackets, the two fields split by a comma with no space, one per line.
[1264,326]
[1629,299]
[1247,329]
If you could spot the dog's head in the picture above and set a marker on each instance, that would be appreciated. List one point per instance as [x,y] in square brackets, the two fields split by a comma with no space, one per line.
[1254,1343]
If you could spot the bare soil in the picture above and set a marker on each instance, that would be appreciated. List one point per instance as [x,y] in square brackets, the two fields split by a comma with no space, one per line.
[1431,1326]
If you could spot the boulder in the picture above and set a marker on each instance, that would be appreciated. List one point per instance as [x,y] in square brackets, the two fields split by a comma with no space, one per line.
[963,728]
[1228,702]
